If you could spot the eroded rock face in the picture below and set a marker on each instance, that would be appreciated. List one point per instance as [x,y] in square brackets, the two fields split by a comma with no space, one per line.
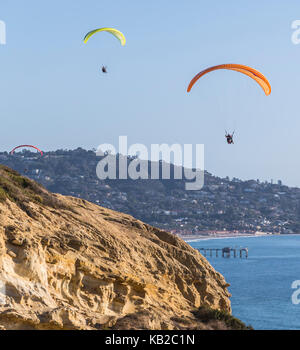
[76,265]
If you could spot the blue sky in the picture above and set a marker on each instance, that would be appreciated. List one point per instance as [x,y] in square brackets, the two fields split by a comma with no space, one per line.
[54,96]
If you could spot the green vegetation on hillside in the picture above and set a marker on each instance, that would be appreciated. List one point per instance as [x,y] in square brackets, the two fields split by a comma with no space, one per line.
[22,191]
[207,315]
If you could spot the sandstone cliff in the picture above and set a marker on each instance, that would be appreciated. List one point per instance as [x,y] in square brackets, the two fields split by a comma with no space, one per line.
[68,264]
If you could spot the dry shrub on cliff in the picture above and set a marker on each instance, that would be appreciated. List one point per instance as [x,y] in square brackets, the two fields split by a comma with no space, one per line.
[22,191]
[207,315]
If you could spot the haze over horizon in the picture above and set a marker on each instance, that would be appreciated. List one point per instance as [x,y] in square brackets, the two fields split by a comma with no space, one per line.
[54,95]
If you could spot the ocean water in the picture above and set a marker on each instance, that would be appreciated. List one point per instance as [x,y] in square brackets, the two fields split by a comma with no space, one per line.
[261,286]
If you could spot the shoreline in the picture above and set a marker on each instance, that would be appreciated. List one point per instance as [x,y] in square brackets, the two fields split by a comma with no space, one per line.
[194,238]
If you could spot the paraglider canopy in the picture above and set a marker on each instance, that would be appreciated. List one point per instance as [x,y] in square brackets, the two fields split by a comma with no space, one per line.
[250,72]
[119,35]
[23,146]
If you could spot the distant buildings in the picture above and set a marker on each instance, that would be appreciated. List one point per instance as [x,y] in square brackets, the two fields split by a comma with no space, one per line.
[222,205]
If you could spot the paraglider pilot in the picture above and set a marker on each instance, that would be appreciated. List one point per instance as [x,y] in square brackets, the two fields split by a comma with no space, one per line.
[104,69]
[229,138]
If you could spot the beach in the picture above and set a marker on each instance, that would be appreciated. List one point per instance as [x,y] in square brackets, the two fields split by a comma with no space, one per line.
[196,237]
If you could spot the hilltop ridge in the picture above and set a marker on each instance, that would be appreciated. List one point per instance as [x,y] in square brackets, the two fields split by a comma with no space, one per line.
[223,204]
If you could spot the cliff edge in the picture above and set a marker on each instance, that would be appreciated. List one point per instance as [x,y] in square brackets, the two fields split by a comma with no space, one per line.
[68,264]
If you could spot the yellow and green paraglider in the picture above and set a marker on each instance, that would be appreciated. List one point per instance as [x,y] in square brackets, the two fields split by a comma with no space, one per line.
[119,35]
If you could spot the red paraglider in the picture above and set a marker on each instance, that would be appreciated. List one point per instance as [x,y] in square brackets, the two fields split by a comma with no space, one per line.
[22,146]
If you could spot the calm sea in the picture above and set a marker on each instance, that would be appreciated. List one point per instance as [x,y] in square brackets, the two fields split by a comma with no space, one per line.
[261,286]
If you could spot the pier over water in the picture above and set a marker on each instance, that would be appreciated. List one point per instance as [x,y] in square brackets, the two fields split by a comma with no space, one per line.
[226,252]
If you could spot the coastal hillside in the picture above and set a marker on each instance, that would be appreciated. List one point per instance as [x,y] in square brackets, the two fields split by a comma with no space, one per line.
[66,263]
[223,204]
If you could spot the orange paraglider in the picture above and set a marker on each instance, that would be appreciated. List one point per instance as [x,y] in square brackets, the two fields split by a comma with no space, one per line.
[250,72]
